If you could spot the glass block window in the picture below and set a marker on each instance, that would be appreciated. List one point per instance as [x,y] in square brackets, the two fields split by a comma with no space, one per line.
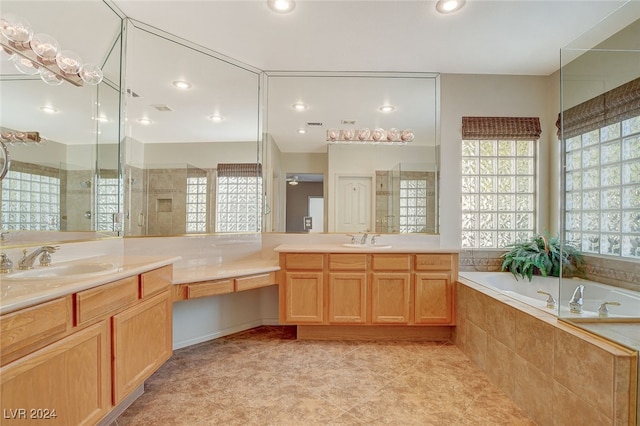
[413,205]
[33,202]
[238,197]
[602,182]
[108,203]
[498,192]
[196,204]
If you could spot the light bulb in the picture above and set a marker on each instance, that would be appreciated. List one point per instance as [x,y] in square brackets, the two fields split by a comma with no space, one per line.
[45,46]
[348,134]
[393,135]
[378,134]
[68,61]
[15,28]
[24,65]
[333,134]
[50,77]
[407,135]
[364,134]
[91,74]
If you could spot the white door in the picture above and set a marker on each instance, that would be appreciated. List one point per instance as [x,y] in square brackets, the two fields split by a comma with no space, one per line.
[353,204]
[316,211]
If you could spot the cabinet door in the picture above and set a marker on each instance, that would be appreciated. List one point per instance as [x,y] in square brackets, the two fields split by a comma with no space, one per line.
[434,298]
[304,297]
[142,342]
[390,298]
[347,298]
[65,383]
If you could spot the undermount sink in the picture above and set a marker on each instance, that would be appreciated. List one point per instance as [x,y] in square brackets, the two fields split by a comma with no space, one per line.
[68,270]
[366,246]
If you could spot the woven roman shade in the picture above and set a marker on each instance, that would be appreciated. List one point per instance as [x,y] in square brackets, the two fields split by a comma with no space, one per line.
[611,107]
[239,169]
[505,128]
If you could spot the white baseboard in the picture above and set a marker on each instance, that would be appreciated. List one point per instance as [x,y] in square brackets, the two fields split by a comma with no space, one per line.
[218,333]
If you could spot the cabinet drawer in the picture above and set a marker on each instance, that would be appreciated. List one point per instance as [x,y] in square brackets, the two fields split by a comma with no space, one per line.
[255,281]
[155,281]
[434,262]
[209,288]
[391,262]
[99,301]
[304,261]
[348,262]
[26,330]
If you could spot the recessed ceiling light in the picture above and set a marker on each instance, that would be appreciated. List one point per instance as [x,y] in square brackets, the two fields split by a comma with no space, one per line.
[216,118]
[182,85]
[387,108]
[302,131]
[448,6]
[281,6]
[299,106]
[48,109]
[144,121]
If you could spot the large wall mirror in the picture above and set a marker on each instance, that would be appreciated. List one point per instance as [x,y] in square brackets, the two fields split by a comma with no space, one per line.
[69,181]
[358,182]
[193,131]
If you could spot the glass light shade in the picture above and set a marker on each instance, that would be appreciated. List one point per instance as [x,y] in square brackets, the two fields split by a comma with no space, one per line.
[407,135]
[24,65]
[364,134]
[393,135]
[50,77]
[333,134]
[9,54]
[91,74]
[68,61]
[378,134]
[45,46]
[15,28]
[348,134]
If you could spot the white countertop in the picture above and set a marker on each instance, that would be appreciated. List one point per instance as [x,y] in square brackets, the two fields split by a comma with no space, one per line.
[197,273]
[18,294]
[339,248]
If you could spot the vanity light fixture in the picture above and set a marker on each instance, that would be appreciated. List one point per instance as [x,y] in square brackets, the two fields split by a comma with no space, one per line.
[281,6]
[387,108]
[48,109]
[182,85]
[216,118]
[299,106]
[449,6]
[144,121]
[365,136]
[13,136]
[40,53]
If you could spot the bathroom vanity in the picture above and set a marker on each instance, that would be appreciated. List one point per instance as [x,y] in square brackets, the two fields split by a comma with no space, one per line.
[72,359]
[331,292]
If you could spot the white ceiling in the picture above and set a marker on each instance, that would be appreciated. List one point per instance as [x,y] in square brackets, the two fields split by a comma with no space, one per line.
[486,37]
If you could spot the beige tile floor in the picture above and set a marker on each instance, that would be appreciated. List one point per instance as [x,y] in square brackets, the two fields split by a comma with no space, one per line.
[265,377]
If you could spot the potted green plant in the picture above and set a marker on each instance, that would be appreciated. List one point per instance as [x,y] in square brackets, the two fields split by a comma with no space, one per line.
[544,256]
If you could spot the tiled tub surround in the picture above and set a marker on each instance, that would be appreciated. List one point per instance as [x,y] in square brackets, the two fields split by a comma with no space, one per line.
[558,374]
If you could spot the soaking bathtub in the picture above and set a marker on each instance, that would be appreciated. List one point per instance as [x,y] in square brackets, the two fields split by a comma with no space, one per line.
[594,294]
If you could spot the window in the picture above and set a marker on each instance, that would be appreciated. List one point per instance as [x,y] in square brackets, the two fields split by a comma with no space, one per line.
[108,203]
[602,172]
[197,204]
[239,190]
[34,202]
[602,182]
[498,181]
[413,205]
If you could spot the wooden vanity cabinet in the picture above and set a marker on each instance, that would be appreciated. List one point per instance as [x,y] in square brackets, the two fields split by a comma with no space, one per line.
[347,288]
[71,360]
[302,298]
[434,292]
[390,288]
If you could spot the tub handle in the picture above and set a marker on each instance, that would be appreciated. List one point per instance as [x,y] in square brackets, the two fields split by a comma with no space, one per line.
[551,302]
[603,311]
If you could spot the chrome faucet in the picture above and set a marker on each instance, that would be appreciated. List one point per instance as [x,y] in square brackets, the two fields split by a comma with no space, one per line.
[363,240]
[551,302]
[575,304]
[45,260]
[603,311]
[5,264]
